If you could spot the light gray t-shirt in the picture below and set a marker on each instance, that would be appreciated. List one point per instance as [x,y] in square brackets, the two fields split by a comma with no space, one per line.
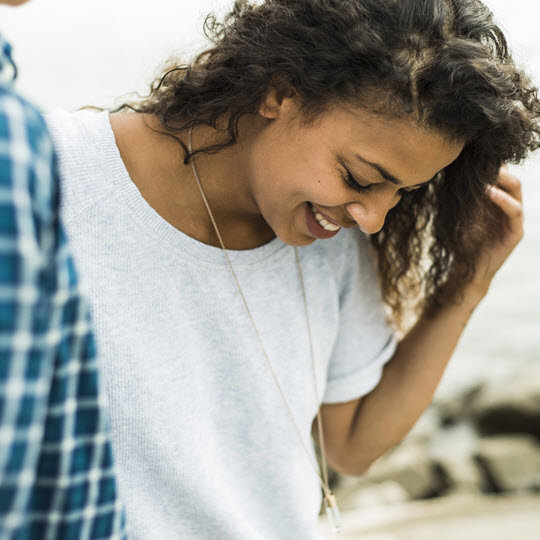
[204,446]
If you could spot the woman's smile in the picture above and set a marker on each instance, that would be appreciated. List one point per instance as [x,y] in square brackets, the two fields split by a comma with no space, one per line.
[319,225]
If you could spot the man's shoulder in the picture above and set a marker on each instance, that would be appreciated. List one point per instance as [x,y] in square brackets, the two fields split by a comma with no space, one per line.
[28,178]
[23,130]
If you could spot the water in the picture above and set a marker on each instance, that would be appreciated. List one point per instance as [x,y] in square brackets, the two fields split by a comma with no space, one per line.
[73,53]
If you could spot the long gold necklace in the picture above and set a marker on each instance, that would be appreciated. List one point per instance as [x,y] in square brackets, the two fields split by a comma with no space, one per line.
[330,503]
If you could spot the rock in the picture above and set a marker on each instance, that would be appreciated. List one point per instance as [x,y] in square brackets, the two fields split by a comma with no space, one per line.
[453,408]
[463,474]
[510,406]
[452,449]
[509,463]
[410,466]
[443,454]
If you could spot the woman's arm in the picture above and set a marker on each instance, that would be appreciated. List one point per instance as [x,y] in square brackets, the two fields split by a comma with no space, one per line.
[360,431]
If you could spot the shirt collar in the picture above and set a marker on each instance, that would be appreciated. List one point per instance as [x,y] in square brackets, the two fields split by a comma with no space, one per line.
[8,69]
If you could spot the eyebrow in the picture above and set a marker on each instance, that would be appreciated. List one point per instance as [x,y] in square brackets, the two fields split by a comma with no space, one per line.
[386,175]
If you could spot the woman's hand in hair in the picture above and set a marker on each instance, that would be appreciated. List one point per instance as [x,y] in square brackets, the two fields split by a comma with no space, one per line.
[506,194]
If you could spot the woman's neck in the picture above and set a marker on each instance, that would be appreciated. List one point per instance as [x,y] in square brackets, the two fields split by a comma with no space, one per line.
[155,164]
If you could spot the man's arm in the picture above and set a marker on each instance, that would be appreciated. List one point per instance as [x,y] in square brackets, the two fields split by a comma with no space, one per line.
[26,163]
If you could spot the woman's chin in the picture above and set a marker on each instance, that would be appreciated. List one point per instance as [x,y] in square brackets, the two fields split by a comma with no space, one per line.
[296,240]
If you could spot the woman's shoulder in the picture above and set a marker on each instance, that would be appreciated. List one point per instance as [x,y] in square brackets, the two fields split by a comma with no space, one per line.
[79,137]
[85,149]
[75,125]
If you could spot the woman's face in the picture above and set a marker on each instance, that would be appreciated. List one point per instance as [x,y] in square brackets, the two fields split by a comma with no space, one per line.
[349,168]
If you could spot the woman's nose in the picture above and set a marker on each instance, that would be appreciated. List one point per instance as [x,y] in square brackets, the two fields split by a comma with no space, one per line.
[370,217]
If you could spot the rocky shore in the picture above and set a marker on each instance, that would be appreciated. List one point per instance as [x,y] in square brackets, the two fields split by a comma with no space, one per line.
[476,453]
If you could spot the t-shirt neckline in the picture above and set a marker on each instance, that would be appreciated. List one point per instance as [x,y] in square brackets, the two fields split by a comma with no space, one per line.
[164,231]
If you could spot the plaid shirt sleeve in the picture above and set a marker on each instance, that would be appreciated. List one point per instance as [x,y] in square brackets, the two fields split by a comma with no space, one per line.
[57,478]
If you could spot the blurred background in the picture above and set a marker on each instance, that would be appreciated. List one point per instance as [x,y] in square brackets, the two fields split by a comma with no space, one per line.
[471,466]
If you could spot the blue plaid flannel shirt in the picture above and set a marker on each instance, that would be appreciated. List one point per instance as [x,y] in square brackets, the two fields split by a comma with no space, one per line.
[57,478]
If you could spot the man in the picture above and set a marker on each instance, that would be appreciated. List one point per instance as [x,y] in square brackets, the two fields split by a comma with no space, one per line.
[57,478]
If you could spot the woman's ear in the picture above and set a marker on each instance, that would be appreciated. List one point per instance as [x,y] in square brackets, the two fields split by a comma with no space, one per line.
[278,95]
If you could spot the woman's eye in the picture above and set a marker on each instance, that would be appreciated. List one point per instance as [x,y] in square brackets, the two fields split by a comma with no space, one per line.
[352,183]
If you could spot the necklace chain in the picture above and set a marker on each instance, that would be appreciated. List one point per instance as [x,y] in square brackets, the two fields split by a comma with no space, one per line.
[329,496]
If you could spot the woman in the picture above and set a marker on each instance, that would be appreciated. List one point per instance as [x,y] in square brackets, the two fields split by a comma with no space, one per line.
[328,146]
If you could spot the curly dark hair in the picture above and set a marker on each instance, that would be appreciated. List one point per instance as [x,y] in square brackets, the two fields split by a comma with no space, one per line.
[443,62]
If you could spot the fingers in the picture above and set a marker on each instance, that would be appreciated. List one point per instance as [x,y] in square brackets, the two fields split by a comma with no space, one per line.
[511,206]
[509,183]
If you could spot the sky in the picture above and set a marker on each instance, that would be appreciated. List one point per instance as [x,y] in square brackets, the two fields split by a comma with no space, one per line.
[79,52]
[76,52]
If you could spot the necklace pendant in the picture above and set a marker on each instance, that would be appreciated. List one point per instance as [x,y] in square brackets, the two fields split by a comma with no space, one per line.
[332,512]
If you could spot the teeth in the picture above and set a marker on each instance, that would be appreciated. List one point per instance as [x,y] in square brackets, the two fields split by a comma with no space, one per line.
[323,222]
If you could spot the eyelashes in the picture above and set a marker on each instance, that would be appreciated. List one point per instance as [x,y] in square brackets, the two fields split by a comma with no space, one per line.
[349,179]
[352,183]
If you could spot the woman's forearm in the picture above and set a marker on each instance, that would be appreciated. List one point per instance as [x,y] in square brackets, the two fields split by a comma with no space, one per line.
[409,380]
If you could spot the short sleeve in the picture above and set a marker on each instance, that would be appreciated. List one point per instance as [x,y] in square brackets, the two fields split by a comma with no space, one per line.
[365,340]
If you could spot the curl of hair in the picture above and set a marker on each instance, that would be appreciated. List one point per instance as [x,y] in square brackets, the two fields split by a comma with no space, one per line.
[443,62]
